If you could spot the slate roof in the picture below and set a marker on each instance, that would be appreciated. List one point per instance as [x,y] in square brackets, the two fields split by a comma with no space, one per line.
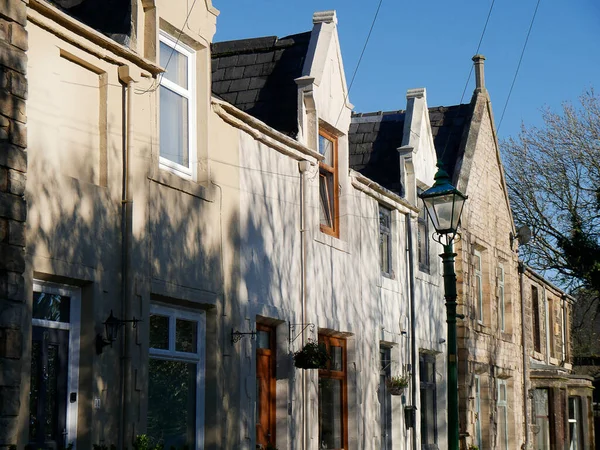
[373,140]
[257,76]
[375,137]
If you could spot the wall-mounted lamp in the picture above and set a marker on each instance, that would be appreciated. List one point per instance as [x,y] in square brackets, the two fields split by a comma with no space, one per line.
[441,340]
[111,326]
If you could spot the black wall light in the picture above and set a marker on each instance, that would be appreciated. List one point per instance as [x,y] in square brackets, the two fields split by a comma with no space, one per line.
[111,327]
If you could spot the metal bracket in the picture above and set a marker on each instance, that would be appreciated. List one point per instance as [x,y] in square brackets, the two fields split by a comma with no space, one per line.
[236,336]
[293,327]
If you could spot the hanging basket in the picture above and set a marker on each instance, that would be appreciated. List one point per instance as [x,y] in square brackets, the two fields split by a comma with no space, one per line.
[397,384]
[312,356]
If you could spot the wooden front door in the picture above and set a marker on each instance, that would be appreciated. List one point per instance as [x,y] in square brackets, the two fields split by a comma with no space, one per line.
[265,386]
[48,390]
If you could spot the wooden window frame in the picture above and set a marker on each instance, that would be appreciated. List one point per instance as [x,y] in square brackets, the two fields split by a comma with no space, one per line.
[385,232]
[271,351]
[478,435]
[478,273]
[423,238]
[338,375]
[332,171]
[537,324]
[501,297]
[385,360]
[502,404]
[431,387]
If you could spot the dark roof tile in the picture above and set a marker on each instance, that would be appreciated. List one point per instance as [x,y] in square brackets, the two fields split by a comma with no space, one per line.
[375,137]
[232,73]
[246,60]
[263,71]
[239,85]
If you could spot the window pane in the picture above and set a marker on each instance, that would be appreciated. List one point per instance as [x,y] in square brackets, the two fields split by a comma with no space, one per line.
[502,428]
[263,340]
[172,403]
[174,124]
[177,68]
[186,336]
[52,307]
[330,414]
[326,194]
[336,358]
[51,376]
[326,149]
[159,332]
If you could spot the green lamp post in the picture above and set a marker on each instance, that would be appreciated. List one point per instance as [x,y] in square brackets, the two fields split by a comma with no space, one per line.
[444,204]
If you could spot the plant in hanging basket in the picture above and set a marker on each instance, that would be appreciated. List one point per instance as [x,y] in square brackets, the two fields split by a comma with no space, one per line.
[397,384]
[312,356]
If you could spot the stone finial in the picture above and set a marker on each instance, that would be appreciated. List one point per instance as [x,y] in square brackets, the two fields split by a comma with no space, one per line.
[479,77]
[325,17]
[415,93]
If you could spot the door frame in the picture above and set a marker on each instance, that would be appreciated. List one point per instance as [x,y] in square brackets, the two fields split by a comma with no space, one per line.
[74,328]
[271,352]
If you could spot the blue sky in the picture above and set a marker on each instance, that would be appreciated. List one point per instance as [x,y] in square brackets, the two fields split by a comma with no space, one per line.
[430,43]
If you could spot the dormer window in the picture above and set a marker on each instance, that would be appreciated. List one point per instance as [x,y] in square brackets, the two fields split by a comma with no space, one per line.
[328,184]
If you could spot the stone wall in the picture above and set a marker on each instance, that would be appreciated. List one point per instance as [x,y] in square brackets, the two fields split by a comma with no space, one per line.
[13,209]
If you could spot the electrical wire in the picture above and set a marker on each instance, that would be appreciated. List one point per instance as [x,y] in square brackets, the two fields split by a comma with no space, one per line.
[518,66]
[156,84]
[487,20]
[359,61]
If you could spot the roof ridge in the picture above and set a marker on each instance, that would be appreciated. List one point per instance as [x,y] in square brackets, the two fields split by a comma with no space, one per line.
[255,44]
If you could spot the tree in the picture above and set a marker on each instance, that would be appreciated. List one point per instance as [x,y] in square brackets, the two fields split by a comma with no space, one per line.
[553,177]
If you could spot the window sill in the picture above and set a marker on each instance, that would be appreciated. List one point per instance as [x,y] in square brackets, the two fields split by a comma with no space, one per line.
[505,336]
[331,241]
[168,179]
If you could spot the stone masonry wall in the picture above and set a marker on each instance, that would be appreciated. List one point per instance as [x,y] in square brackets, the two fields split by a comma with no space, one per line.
[13,210]
[485,351]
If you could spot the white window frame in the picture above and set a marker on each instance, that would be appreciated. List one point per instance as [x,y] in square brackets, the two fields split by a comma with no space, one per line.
[74,329]
[198,358]
[503,404]
[478,286]
[501,298]
[190,95]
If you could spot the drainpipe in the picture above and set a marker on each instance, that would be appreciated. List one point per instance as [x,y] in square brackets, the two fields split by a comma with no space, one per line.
[303,167]
[126,213]
[413,342]
[524,344]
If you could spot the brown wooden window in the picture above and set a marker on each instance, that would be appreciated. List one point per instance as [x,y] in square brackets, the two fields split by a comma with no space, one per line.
[265,385]
[328,184]
[535,306]
[333,397]
[423,237]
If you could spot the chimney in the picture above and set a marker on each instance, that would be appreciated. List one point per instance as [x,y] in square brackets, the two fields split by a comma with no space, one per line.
[479,78]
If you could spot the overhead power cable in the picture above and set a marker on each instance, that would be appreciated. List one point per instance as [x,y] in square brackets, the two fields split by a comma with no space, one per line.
[156,84]
[359,61]
[518,65]
[487,20]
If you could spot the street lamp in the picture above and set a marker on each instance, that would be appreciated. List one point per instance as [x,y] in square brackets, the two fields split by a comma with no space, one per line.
[444,204]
